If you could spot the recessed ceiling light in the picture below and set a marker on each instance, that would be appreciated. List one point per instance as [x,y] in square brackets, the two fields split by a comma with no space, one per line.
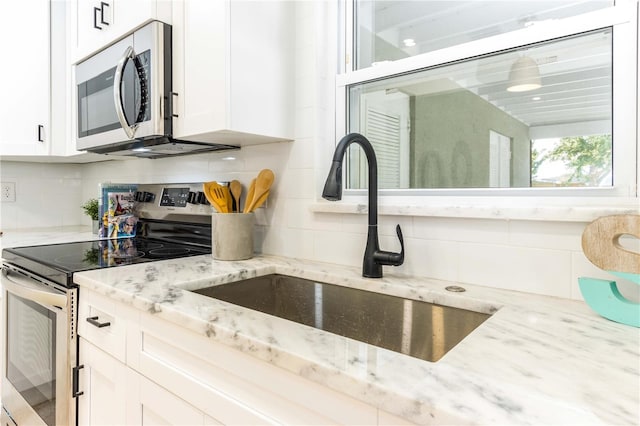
[536,98]
[409,42]
[141,149]
[229,158]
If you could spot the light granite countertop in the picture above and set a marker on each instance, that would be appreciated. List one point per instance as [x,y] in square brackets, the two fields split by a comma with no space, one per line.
[39,236]
[537,360]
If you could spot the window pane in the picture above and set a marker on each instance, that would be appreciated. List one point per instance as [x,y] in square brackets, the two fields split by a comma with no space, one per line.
[473,124]
[391,30]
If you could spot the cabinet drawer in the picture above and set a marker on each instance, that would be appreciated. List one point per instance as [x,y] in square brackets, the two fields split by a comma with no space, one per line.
[233,387]
[102,322]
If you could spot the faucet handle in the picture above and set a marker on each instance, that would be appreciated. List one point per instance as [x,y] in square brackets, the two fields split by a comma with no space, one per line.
[401,254]
[390,258]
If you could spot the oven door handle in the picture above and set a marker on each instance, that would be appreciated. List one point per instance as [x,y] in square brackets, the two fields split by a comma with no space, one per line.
[31,290]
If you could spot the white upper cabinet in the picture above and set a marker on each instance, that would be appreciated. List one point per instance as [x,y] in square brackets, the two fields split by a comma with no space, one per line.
[233,68]
[24,111]
[98,23]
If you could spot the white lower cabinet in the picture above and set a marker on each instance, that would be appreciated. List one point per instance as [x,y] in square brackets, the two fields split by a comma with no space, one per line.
[114,394]
[170,375]
[103,383]
[149,404]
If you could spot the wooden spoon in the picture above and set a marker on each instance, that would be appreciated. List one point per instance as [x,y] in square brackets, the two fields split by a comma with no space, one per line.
[228,198]
[263,183]
[249,200]
[236,192]
[260,200]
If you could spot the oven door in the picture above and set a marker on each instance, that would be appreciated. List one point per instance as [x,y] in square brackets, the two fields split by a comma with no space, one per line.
[39,350]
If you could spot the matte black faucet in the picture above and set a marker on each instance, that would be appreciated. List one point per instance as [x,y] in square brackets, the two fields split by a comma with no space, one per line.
[374,258]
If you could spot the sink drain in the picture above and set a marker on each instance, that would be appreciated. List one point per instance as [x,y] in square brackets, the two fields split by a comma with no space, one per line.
[455,288]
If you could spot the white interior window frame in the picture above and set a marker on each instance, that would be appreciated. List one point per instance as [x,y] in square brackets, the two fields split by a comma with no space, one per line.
[623,196]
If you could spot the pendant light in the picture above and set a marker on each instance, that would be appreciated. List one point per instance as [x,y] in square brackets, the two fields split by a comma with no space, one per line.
[524,75]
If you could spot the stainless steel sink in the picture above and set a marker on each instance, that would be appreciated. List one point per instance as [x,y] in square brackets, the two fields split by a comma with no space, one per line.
[419,329]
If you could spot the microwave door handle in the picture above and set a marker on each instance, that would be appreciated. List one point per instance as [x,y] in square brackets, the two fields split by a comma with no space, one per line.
[117,93]
[28,289]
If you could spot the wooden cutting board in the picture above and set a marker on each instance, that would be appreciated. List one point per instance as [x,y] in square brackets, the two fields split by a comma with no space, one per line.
[601,243]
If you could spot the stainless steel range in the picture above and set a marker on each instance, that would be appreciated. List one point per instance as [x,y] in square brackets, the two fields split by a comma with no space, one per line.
[40,368]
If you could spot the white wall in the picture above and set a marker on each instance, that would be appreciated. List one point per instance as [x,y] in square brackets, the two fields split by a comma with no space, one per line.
[531,256]
[46,195]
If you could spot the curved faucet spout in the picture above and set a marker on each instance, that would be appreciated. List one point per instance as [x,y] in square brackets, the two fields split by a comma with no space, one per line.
[374,258]
[333,186]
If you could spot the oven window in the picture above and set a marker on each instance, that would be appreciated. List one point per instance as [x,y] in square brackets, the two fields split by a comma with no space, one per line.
[31,354]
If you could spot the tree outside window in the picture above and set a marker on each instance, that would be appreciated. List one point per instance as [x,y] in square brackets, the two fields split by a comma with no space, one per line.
[572,161]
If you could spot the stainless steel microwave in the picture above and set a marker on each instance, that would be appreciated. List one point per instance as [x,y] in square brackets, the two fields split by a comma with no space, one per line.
[123,91]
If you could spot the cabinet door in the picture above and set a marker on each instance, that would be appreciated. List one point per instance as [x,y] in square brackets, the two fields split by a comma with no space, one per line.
[200,55]
[101,22]
[150,404]
[103,381]
[24,110]
[217,47]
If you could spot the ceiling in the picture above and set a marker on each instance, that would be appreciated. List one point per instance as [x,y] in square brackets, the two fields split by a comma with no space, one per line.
[575,72]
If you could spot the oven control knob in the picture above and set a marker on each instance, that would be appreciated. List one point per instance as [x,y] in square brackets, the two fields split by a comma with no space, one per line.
[192,198]
[201,198]
[148,196]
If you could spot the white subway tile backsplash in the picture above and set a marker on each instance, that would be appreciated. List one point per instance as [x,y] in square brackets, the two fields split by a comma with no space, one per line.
[469,230]
[327,222]
[297,214]
[546,235]
[301,154]
[429,258]
[305,95]
[355,224]
[305,123]
[297,183]
[290,242]
[338,247]
[516,268]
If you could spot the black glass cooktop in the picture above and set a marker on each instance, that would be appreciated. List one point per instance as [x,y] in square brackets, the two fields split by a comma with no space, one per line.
[58,262]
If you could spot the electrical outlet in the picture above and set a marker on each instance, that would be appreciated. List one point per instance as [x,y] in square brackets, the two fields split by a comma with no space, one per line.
[8,192]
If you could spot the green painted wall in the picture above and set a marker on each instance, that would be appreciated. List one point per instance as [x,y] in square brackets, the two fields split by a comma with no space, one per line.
[450,141]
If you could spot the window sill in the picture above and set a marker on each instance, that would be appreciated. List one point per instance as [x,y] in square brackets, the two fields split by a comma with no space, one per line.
[565,210]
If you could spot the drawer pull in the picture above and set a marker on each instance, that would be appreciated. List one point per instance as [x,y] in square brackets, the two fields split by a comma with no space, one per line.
[94,321]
